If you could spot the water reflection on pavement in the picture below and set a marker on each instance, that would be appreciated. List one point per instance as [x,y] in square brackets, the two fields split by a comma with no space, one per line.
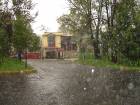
[61,82]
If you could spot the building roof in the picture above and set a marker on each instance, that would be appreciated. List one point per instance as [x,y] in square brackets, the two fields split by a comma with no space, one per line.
[56,33]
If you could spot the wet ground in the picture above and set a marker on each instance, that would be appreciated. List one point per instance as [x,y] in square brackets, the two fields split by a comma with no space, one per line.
[65,83]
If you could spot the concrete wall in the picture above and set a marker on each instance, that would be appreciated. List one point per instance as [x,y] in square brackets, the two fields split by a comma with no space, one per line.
[44,41]
[58,41]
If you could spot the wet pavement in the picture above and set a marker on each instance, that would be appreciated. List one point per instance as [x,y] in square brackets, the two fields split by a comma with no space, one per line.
[61,82]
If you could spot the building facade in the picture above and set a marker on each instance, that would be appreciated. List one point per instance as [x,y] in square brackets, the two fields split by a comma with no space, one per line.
[55,44]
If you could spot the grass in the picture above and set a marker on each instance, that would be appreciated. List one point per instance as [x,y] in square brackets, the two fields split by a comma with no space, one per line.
[11,66]
[103,63]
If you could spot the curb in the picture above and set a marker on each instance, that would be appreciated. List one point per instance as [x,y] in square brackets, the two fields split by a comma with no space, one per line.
[17,72]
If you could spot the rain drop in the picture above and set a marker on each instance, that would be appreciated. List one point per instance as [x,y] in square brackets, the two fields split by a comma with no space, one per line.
[85,88]
[130,86]
[92,70]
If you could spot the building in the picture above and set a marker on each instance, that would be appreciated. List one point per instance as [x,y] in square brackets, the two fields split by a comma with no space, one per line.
[55,44]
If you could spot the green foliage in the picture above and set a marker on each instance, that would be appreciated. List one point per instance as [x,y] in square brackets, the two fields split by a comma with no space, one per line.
[120,40]
[16,34]
[2,40]
[35,43]
[77,21]
[126,28]
[105,63]
[22,28]
[22,34]
[12,65]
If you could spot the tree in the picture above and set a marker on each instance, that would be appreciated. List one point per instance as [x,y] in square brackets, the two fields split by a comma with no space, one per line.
[21,34]
[15,27]
[6,25]
[22,27]
[35,43]
[85,17]
[120,19]
[127,26]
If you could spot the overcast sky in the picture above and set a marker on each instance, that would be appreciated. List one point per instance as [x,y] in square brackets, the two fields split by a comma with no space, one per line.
[49,11]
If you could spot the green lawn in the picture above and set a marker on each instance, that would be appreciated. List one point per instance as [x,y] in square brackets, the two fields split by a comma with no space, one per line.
[14,66]
[89,60]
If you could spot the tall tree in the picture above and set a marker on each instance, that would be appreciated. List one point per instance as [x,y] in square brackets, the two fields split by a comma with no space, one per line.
[22,27]
[15,26]
[88,21]
[6,24]
[34,43]
[120,18]
[120,28]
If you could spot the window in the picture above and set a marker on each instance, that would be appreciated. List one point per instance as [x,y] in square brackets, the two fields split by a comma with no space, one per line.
[51,40]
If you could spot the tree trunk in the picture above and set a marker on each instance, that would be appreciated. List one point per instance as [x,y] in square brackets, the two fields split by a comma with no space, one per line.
[96,50]
[26,59]
[110,24]
[113,51]
[19,55]
[96,43]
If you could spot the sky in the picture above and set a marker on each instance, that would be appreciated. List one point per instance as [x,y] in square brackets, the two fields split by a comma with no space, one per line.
[49,11]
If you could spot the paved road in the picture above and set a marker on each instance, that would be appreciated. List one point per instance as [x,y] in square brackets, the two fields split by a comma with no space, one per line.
[65,83]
